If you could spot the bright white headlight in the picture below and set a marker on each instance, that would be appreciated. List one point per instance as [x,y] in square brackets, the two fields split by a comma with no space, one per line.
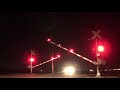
[69,70]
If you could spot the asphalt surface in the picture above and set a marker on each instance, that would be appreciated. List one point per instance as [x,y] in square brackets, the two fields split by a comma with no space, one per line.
[55,76]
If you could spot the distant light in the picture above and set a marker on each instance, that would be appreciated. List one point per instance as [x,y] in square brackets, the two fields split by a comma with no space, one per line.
[49,40]
[105,69]
[69,70]
[32,59]
[91,70]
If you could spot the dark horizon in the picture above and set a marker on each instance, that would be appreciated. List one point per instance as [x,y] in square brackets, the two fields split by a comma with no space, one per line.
[20,32]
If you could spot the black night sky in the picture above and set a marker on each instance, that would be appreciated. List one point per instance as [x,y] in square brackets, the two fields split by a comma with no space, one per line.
[21,31]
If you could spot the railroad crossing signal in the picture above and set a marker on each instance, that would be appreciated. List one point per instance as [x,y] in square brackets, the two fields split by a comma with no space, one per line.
[31,60]
[96,35]
[32,52]
[98,48]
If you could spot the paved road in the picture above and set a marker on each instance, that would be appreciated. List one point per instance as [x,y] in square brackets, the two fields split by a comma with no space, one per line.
[54,76]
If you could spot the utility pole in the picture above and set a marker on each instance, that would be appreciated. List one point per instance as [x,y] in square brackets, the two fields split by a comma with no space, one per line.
[52,67]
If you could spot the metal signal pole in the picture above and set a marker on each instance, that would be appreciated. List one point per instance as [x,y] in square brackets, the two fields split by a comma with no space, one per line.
[96,35]
[31,62]
[31,66]
[98,72]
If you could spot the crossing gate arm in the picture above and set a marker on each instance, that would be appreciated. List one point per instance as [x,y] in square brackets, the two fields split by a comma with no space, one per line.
[93,62]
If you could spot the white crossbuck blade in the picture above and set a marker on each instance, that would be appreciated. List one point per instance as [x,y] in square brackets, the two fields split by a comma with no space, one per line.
[96,34]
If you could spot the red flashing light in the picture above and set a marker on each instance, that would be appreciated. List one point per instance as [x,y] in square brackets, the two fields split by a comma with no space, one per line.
[100,48]
[32,60]
[49,40]
[58,56]
[52,58]
[71,50]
